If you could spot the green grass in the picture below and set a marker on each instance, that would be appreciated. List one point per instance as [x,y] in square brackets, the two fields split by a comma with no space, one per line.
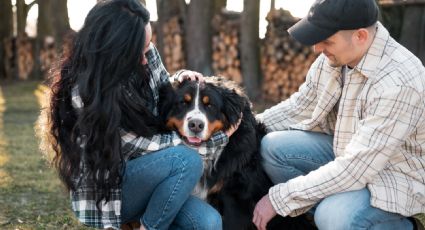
[31,196]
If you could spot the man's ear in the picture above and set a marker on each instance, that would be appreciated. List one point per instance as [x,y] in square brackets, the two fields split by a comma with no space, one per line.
[361,36]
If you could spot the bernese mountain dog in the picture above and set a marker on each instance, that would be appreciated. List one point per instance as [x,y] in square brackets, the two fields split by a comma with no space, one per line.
[233,180]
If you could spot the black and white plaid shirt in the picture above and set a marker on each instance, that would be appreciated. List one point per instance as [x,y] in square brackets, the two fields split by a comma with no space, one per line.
[378,128]
[83,199]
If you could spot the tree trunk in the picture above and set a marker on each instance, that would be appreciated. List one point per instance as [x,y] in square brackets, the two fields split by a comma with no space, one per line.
[250,48]
[6,19]
[219,5]
[6,32]
[413,30]
[60,20]
[21,16]
[22,10]
[44,29]
[198,36]
[44,22]
[272,5]
[143,2]
[387,15]
[165,10]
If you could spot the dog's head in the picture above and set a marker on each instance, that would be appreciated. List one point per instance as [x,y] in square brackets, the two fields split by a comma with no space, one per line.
[197,110]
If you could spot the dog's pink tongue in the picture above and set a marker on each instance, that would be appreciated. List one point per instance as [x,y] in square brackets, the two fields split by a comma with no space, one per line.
[194,139]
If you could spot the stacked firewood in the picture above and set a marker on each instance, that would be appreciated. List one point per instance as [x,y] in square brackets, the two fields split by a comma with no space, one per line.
[25,57]
[225,49]
[48,55]
[19,56]
[9,46]
[284,61]
[174,55]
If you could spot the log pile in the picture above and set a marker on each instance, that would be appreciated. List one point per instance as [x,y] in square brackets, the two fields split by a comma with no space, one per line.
[48,55]
[225,51]
[19,56]
[284,61]
[174,55]
[9,45]
[25,56]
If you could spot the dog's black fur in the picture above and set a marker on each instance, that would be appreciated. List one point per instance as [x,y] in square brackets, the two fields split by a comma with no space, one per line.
[237,182]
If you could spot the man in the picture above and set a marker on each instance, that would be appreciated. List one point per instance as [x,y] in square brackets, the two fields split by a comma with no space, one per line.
[350,145]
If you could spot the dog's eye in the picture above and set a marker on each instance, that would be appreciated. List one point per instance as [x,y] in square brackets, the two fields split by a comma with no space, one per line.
[209,106]
[187,98]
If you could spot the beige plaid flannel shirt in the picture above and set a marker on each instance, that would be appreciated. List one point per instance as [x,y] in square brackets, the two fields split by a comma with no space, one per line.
[378,128]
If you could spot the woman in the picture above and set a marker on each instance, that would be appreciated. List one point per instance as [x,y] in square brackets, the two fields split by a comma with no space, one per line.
[105,130]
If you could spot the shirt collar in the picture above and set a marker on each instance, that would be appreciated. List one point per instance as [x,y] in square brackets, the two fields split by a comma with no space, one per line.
[369,62]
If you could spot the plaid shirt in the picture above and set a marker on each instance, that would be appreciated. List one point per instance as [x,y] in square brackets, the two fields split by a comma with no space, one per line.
[84,198]
[378,128]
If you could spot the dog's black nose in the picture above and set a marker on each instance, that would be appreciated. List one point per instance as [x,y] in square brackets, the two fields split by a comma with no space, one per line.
[196,125]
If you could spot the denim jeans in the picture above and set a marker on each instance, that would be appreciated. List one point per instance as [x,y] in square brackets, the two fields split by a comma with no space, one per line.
[156,191]
[288,154]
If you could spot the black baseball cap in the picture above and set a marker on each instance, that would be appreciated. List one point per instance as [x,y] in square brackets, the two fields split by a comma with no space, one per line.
[326,17]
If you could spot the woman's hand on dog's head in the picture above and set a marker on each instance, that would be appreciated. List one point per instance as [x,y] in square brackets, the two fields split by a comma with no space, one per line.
[184,74]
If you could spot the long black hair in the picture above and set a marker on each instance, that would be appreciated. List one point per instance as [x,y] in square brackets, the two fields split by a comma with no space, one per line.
[104,58]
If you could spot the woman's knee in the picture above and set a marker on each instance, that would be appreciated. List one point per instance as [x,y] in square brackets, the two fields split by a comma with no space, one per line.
[197,214]
[189,159]
[212,220]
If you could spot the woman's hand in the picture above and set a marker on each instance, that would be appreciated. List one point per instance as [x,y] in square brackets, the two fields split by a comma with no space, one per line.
[184,74]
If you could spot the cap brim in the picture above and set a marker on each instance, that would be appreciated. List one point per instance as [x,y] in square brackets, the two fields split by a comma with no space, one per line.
[309,34]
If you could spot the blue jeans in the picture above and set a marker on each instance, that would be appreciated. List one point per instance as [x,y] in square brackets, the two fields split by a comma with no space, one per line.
[288,154]
[156,191]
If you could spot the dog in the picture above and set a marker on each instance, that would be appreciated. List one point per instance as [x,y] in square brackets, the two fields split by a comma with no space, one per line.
[233,180]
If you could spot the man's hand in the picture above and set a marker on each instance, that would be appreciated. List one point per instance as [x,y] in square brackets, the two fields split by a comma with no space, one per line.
[184,74]
[263,213]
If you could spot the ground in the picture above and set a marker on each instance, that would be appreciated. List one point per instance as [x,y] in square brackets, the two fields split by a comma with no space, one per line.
[31,196]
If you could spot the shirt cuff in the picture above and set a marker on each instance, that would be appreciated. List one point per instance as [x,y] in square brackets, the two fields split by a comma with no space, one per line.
[277,200]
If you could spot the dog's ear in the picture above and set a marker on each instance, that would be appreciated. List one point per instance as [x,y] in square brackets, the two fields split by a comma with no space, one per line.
[234,105]
[167,95]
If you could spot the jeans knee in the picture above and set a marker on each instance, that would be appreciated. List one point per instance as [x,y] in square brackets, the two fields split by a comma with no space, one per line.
[330,215]
[269,146]
[324,218]
[212,220]
[190,160]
